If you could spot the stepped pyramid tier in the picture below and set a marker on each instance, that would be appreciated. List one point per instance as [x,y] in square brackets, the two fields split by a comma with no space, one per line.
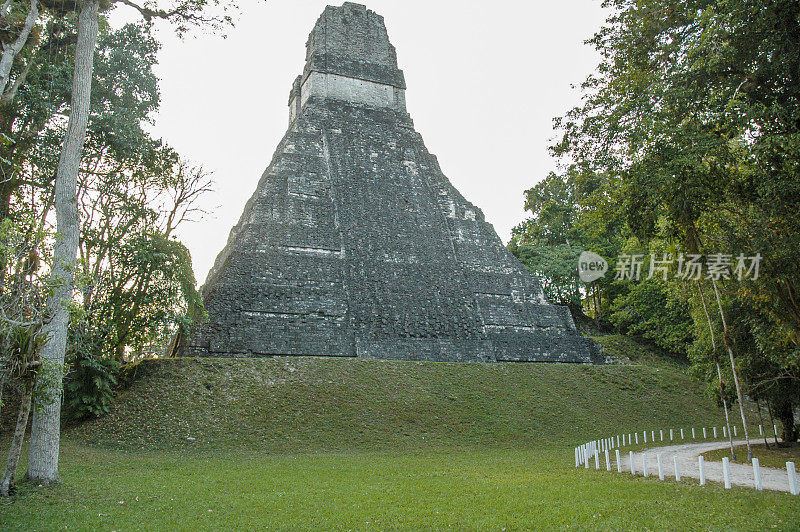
[355,244]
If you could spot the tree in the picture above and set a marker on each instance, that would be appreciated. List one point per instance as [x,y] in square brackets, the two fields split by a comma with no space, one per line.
[695,108]
[45,431]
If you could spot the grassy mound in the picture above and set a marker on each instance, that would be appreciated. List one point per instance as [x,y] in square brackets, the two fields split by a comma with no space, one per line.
[292,404]
[325,444]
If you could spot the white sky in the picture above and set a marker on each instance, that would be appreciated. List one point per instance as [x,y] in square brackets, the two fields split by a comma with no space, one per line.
[484,81]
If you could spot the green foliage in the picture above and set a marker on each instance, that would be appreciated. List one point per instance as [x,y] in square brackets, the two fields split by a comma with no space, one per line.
[89,385]
[689,134]
[650,310]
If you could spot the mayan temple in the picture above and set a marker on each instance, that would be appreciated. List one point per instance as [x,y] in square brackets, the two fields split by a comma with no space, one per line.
[355,244]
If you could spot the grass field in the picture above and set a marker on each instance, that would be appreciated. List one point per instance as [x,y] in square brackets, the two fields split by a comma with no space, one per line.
[304,443]
[776,456]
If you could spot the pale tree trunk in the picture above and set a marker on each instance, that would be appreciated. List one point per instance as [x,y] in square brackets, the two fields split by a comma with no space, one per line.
[719,370]
[46,428]
[7,483]
[727,343]
[10,50]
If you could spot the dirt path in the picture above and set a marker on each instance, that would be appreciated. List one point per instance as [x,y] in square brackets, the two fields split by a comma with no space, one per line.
[741,474]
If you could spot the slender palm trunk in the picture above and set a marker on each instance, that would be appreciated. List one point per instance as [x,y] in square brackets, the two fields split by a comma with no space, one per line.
[46,428]
[772,421]
[727,343]
[7,483]
[719,370]
[761,423]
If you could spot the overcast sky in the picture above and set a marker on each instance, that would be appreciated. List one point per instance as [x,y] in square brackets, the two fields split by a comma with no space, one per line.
[485,80]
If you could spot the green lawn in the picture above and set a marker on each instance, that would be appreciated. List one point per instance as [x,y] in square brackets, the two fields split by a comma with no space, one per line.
[776,456]
[309,443]
[486,489]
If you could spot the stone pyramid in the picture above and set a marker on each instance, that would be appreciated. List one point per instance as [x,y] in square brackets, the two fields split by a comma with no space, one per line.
[355,244]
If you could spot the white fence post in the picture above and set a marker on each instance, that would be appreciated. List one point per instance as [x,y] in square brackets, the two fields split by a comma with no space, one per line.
[734,431]
[726,472]
[586,456]
[644,434]
[644,464]
[608,462]
[756,474]
[704,433]
[760,430]
[596,460]
[633,467]
[693,434]
[724,432]
[681,433]
[677,468]
[576,457]
[637,438]
[670,434]
[660,468]
[623,443]
[661,434]
[702,465]
[653,435]
[775,430]
[715,432]
[792,478]
[619,463]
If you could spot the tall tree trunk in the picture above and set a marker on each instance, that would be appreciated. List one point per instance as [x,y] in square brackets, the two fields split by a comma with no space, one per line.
[7,483]
[10,50]
[719,370]
[727,342]
[46,428]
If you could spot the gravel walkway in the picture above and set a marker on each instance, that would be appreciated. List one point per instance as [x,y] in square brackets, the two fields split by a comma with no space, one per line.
[741,474]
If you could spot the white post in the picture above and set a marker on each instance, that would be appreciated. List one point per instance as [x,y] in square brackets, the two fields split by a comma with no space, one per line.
[704,433]
[670,434]
[637,438]
[661,434]
[756,474]
[597,460]
[644,434]
[677,468]
[586,456]
[660,468]
[644,464]
[775,430]
[681,433]
[693,437]
[726,472]
[724,432]
[702,470]
[760,430]
[652,435]
[623,440]
[608,462]
[619,464]
[715,432]
[623,443]
[792,478]
[633,467]
[734,431]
